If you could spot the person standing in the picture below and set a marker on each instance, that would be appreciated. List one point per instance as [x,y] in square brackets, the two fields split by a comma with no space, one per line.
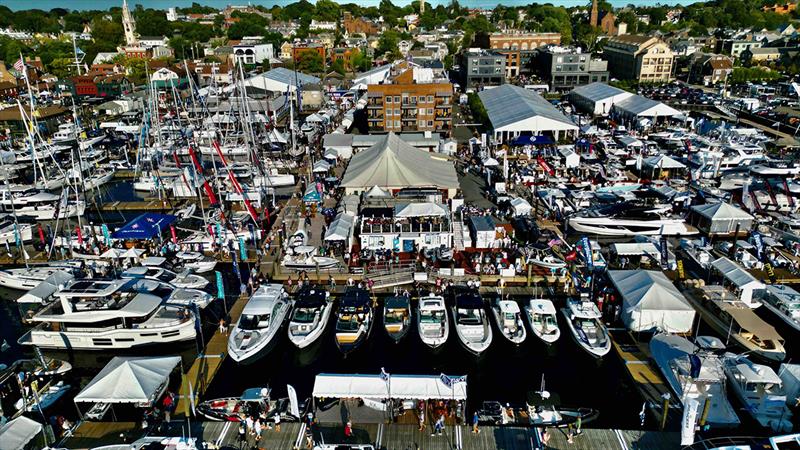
[421,420]
[475,423]
[348,430]
[222,328]
[277,423]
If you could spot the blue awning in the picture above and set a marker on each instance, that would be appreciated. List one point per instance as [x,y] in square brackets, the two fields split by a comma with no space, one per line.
[146,226]
[532,140]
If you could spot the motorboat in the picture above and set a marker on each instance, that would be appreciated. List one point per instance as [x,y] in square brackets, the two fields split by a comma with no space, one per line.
[256,331]
[694,371]
[729,316]
[196,262]
[12,232]
[252,402]
[585,324]
[182,280]
[548,261]
[541,314]
[471,322]
[433,323]
[305,259]
[508,317]
[781,300]
[108,314]
[354,319]
[699,252]
[25,201]
[625,220]
[760,391]
[173,295]
[27,278]
[312,310]
[397,317]
[44,400]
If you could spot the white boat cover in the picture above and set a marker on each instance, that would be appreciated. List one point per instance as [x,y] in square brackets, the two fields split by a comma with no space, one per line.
[425,209]
[416,387]
[133,379]
[650,301]
[521,206]
[17,433]
[635,249]
[394,164]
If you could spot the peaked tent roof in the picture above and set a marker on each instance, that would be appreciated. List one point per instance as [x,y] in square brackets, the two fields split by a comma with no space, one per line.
[18,433]
[598,91]
[129,380]
[392,163]
[647,289]
[721,210]
[508,104]
[735,273]
[645,107]
[663,162]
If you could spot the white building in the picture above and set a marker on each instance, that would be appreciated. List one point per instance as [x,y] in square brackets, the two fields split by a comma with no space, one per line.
[172,14]
[164,75]
[322,25]
[253,53]
[408,225]
[597,98]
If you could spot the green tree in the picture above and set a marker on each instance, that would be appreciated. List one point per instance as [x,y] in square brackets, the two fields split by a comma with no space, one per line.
[338,66]
[360,61]
[245,28]
[309,61]
[388,41]
[327,10]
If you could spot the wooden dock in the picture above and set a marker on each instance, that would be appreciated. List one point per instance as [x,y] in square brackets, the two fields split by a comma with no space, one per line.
[383,437]
[154,205]
[645,376]
[207,364]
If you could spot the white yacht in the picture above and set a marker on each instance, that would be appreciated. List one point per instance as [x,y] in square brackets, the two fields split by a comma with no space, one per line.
[173,295]
[100,315]
[304,258]
[11,231]
[760,391]
[182,280]
[541,314]
[696,373]
[38,204]
[256,332]
[312,311]
[783,301]
[586,327]
[624,220]
[433,323]
[196,262]
[471,323]
[27,278]
[67,134]
[508,317]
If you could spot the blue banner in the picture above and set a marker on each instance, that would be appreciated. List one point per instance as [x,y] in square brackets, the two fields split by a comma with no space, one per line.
[220,286]
[17,237]
[586,247]
[242,249]
[759,241]
[106,234]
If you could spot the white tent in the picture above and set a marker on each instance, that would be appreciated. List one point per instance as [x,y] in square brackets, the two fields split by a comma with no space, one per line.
[341,228]
[417,387]
[597,98]
[321,166]
[377,192]
[391,163]
[739,278]
[721,218]
[521,206]
[129,380]
[663,162]
[650,301]
[18,433]
[425,209]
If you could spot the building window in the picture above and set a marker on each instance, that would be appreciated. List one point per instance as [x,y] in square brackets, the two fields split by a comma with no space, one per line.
[397,124]
[421,111]
[397,99]
[396,112]
[430,123]
[389,99]
[430,99]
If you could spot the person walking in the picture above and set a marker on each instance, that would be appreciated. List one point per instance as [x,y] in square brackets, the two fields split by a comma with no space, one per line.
[475,423]
[242,439]
[222,328]
[277,423]
[422,419]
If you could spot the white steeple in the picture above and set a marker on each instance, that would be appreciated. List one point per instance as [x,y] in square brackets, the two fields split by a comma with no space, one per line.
[129,25]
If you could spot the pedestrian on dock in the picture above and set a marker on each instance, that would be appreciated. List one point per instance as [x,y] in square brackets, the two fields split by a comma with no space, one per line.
[421,420]
[439,426]
[545,438]
[348,430]
[569,433]
[222,328]
[278,423]
[475,423]
[242,440]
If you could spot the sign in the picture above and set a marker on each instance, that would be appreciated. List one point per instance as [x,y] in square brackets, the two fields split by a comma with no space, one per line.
[242,249]
[220,286]
[688,421]
[664,252]
[294,408]
[759,241]
[586,247]
[681,273]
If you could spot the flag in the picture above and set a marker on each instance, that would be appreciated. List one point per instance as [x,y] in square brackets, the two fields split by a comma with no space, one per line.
[384,375]
[220,286]
[191,399]
[294,408]
[242,249]
[104,227]
[19,65]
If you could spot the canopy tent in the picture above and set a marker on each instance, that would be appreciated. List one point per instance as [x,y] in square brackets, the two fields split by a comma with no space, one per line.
[130,379]
[391,163]
[312,195]
[513,111]
[635,249]
[425,209]
[741,279]
[18,433]
[532,140]
[721,218]
[377,192]
[636,106]
[341,228]
[145,226]
[417,387]
[651,302]
[321,166]
[663,162]
[597,98]
[521,206]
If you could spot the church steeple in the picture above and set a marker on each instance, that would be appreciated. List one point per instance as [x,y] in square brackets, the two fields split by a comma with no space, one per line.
[594,16]
[129,25]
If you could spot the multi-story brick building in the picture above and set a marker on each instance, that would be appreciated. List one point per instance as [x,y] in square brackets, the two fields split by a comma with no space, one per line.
[410,99]
[518,48]
[638,57]
[299,49]
[358,25]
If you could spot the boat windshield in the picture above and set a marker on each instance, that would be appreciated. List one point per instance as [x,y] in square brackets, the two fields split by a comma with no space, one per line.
[166,277]
[469,316]
[430,316]
[350,323]
[304,315]
[254,322]
[394,316]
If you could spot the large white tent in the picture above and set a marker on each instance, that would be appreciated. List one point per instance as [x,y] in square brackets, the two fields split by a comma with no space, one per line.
[341,229]
[376,387]
[636,107]
[129,380]
[18,433]
[278,80]
[721,218]
[738,278]
[422,209]
[651,302]
[597,98]
[513,111]
[391,163]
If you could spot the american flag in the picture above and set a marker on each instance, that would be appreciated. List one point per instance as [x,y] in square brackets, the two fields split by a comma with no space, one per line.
[19,65]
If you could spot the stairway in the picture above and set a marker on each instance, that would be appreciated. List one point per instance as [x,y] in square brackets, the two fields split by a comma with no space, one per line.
[458,235]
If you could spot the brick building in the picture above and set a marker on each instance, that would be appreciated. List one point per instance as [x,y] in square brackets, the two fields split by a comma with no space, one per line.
[354,25]
[518,48]
[410,99]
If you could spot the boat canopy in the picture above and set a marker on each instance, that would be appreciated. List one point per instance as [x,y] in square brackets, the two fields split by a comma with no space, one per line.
[509,307]
[255,394]
[542,307]
[311,298]
[469,301]
[377,387]
[356,298]
[18,433]
[134,379]
[397,303]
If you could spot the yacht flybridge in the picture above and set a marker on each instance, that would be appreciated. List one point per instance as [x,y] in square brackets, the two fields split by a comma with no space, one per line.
[100,314]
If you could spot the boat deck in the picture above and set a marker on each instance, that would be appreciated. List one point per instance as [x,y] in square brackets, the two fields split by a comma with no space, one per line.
[384,437]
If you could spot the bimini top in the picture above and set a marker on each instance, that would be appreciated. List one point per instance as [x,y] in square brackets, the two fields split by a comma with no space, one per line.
[355,298]
[377,387]
[469,300]
[311,297]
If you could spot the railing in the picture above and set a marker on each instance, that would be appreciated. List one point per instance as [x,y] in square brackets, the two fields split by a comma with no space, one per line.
[414,227]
